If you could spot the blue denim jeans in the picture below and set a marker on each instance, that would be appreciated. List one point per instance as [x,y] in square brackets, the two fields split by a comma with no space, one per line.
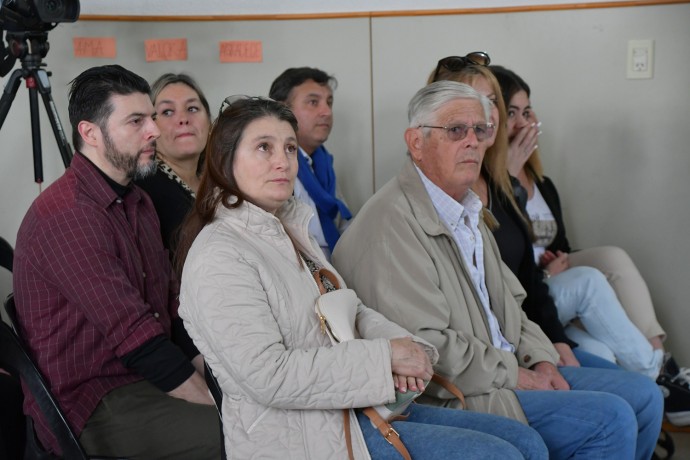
[584,293]
[440,433]
[587,359]
[608,414]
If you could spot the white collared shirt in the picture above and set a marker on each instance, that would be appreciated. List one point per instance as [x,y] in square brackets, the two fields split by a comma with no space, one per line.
[462,219]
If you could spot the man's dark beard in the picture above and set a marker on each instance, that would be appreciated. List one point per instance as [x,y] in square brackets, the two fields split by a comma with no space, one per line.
[127,163]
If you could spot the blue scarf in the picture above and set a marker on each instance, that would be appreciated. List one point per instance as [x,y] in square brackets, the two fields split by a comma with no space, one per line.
[320,184]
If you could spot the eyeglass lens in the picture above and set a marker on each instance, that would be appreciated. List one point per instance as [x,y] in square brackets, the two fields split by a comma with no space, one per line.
[459,132]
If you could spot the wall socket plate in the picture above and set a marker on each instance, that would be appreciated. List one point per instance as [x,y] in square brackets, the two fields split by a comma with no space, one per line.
[640,59]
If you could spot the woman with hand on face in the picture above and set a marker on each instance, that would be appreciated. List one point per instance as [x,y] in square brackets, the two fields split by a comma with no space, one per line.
[248,300]
[551,303]
[183,117]
[553,252]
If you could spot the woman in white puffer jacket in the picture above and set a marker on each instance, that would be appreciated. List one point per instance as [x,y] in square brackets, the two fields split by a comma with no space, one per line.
[247,300]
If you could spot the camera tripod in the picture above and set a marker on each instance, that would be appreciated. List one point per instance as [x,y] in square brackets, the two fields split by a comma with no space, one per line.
[30,48]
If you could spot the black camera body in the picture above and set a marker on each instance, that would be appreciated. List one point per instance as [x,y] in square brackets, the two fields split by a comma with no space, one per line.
[27,23]
[36,15]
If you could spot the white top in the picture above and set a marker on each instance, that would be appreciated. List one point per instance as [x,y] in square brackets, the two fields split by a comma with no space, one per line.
[544,224]
[462,219]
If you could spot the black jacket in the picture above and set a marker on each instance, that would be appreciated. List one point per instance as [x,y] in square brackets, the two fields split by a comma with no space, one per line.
[514,242]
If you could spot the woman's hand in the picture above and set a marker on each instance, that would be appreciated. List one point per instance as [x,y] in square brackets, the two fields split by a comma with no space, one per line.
[402,383]
[555,263]
[521,148]
[567,357]
[409,360]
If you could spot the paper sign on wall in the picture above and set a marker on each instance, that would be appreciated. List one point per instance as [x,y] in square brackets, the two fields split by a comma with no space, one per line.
[241,51]
[170,49]
[94,47]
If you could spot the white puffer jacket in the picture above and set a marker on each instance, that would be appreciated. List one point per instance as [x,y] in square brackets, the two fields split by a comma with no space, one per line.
[249,307]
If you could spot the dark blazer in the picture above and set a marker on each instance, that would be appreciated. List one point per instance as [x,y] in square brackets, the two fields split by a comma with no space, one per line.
[514,242]
[172,203]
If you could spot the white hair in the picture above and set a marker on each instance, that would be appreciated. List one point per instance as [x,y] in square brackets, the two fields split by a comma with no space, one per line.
[428,100]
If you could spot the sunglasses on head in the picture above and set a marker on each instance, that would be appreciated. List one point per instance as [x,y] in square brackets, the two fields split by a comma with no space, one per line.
[457,63]
[230,100]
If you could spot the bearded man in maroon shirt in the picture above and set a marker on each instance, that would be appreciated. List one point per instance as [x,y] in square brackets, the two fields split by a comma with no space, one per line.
[95,293]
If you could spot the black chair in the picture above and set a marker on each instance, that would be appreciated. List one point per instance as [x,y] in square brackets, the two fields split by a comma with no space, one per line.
[217,394]
[6,254]
[14,357]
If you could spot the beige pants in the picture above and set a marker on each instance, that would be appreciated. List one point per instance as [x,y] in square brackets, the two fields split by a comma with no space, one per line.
[626,280]
[140,421]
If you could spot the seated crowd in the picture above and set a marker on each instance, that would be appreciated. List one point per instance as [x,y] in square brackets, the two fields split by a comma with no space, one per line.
[176,244]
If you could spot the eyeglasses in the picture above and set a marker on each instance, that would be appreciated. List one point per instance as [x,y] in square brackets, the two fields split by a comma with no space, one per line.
[455,133]
[457,63]
[230,100]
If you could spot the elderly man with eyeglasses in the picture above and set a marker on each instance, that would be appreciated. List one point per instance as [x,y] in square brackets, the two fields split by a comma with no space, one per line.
[420,252]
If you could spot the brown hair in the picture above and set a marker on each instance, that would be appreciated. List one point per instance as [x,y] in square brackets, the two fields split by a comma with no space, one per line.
[511,84]
[218,183]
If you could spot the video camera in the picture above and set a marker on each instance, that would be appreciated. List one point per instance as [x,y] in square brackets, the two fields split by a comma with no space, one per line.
[28,21]
[36,15]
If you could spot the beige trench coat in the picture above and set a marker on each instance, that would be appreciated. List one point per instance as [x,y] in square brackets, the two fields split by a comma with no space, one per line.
[402,260]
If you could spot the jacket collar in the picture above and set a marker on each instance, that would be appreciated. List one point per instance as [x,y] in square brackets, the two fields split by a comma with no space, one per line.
[293,216]
[420,202]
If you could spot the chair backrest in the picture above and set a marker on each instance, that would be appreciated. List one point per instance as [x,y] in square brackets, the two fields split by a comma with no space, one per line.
[6,254]
[213,387]
[217,394]
[15,358]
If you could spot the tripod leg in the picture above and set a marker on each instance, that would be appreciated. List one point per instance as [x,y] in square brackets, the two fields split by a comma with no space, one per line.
[35,130]
[9,93]
[44,88]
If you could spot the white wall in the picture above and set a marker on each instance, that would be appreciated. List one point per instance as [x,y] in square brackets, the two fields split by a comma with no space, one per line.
[616,148]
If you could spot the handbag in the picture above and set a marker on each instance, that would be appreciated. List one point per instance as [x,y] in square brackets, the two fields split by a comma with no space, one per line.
[337,311]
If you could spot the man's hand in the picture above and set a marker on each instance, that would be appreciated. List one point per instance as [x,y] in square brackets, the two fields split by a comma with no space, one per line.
[531,380]
[193,390]
[567,357]
[551,372]
[408,359]
[545,376]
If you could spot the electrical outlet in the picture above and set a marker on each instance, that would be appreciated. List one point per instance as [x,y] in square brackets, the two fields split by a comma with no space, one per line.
[640,59]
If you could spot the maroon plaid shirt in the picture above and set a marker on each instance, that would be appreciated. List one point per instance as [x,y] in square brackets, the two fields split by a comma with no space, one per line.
[92,282]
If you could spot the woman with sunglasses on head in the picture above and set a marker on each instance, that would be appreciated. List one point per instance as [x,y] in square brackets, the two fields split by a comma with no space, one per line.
[511,229]
[248,300]
[553,305]
[183,117]
[553,252]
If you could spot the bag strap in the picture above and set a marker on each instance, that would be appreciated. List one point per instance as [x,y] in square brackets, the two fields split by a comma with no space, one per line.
[348,434]
[387,431]
[450,387]
[329,275]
